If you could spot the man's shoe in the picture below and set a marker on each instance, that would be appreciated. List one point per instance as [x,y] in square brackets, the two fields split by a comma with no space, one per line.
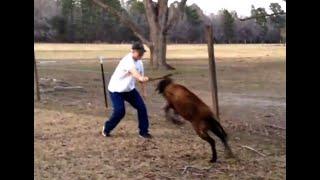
[147,136]
[104,133]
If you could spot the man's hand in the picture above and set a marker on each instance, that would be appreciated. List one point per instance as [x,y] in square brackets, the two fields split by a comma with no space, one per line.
[138,76]
[143,79]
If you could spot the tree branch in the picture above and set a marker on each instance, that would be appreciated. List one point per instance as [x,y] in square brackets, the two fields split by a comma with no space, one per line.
[151,13]
[125,19]
[175,13]
[250,148]
[262,15]
[163,14]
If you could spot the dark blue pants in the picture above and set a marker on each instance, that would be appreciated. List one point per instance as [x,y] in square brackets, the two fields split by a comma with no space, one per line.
[134,98]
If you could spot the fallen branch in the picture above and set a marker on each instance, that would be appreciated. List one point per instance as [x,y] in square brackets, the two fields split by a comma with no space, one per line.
[197,174]
[276,127]
[167,177]
[62,88]
[46,90]
[250,148]
[185,169]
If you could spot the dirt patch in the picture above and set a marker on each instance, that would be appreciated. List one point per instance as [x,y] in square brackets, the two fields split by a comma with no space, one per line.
[69,146]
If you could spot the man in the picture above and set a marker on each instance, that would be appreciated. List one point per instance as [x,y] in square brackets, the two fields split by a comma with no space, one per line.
[122,88]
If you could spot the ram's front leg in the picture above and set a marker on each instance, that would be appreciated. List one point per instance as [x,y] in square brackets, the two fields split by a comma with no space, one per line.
[171,114]
[166,107]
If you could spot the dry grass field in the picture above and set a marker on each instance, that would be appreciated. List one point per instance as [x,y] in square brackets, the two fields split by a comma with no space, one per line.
[252,85]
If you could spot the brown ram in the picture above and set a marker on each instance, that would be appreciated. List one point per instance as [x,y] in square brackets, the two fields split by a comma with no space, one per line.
[193,109]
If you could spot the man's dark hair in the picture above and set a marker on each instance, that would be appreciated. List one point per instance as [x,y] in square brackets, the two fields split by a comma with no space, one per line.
[138,46]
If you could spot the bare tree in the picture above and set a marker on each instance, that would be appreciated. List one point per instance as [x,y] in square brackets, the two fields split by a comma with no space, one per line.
[44,10]
[161,19]
[277,17]
[260,13]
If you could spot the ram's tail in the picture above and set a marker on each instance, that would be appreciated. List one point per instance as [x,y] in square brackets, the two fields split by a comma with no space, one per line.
[218,130]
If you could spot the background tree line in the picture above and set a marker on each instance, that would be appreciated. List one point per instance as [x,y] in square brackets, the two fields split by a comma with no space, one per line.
[81,21]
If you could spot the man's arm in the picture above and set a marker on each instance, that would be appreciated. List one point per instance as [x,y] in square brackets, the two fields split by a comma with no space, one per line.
[143,84]
[137,75]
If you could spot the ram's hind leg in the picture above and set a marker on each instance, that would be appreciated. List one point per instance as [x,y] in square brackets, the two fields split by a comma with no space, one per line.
[205,136]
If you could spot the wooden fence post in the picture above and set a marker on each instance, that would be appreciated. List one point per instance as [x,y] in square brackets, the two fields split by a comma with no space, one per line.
[36,77]
[212,70]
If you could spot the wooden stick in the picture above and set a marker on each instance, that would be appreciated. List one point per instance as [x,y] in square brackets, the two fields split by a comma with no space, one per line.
[250,148]
[162,77]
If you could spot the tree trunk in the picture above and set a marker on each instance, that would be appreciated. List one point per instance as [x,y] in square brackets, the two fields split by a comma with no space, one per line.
[163,53]
[159,21]
[151,48]
[159,51]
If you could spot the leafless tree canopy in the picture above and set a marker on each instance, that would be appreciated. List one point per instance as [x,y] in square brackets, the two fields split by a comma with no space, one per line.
[155,23]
